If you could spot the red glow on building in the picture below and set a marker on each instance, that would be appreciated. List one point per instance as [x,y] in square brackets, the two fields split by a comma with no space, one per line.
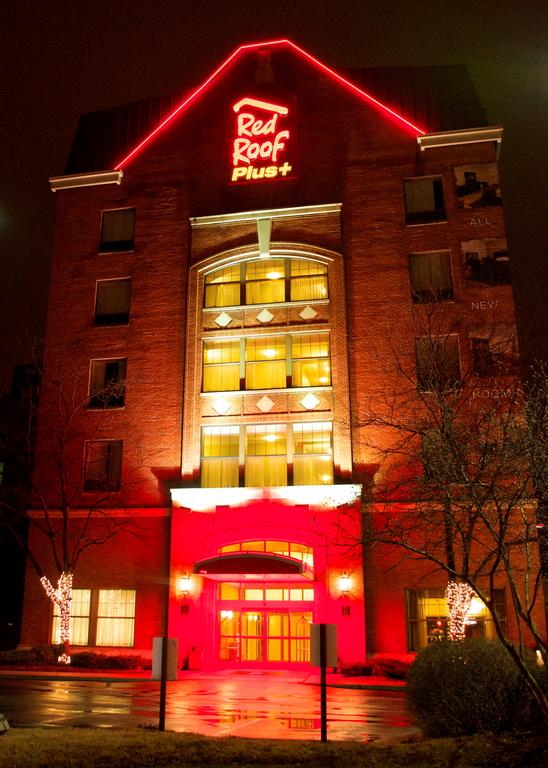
[399,119]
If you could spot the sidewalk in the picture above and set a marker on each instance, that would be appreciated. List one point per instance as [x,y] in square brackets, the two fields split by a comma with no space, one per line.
[312,677]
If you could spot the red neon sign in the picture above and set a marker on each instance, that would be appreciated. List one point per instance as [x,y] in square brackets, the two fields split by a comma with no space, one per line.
[259,148]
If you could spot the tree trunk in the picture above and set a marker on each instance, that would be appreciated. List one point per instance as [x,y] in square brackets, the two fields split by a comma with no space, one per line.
[62,596]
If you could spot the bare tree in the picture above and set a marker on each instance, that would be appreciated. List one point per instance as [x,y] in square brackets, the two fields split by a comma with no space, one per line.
[47,499]
[460,457]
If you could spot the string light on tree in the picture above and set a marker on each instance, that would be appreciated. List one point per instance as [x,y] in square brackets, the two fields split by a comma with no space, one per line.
[459,599]
[62,597]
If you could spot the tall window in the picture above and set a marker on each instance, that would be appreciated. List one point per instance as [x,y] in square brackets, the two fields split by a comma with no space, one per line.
[427,617]
[270,362]
[312,453]
[266,281]
[117,230]
[220,457]
[115,617]
[424,201]
[103,464]
[263,453]
[112,302]
[265,363]
[107,384]
[438,363]
[431,276]
[99,617]
[266,455]
[79,618]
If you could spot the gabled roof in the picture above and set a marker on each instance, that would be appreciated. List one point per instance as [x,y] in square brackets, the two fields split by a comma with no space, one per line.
[342,81]
[441,97]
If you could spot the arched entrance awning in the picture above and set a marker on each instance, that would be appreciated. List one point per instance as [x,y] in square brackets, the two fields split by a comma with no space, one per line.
[253,566]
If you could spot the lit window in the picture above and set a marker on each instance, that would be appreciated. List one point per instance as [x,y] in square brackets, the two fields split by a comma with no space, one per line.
[107,386]
[427,617]
[266,281]
[431,276]
[424,200]
[221,365]
[115,617]
[220,457]
[266,455]
[312,454]
[117,230]
[103,465]
[112,302]
[308,280]
[265,366]
[270,362]
[79,618]
[104,617]
[438,363]
[310,366]
[222,287]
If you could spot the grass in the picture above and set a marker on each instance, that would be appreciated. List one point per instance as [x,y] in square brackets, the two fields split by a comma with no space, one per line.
[141,748]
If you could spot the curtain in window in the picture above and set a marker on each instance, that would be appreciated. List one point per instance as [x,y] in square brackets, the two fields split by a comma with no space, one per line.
[265,281]
[223,287]
[265,363]
[115,617]
[113,297]
[219,473]
[419,195]
[266,456]
[118,226]
[431,275]
[79,623]
[221,365]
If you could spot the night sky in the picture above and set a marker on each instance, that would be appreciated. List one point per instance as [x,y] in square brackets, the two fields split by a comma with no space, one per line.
[61,58]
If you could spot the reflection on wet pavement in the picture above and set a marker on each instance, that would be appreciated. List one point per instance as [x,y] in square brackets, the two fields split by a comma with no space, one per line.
[255,706]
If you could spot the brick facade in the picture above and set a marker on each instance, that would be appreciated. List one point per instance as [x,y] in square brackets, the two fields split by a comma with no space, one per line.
[343,205]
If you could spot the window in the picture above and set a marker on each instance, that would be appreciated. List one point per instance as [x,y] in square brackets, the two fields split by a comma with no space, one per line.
[107,383]
[438,363]
[112,302]
[482,359]
[220,457]
[312,459]
[287,548]
[431,276]
[267,455]
[427,617]
[424,200]
[103,465]
[270,362]
[99,617]
[265,363]
[79,618]
[115,617]
[2,465]
[266,281]
[117,230]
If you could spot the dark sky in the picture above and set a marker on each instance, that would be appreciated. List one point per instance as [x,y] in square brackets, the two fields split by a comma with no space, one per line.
[61,58]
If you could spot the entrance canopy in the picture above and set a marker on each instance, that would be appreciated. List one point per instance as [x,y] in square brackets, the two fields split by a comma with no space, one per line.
[253,566]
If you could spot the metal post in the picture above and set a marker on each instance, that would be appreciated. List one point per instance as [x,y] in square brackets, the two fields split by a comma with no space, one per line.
[323,681]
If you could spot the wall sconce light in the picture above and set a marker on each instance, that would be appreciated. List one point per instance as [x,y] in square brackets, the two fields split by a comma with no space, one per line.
[183,585]
[345,584]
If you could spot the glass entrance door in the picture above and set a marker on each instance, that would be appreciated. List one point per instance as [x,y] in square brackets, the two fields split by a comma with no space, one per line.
[265,636]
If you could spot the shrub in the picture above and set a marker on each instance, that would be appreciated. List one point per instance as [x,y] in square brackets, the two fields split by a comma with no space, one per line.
[357,669]
[469,687]
[393,668]
[91,660]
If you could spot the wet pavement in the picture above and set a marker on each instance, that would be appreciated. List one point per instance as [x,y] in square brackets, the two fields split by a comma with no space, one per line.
[249,704]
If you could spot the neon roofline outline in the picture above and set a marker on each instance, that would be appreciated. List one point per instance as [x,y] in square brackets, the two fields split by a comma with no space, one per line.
[250,46]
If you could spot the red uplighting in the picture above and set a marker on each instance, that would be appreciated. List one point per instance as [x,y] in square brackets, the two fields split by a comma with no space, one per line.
[407,124]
